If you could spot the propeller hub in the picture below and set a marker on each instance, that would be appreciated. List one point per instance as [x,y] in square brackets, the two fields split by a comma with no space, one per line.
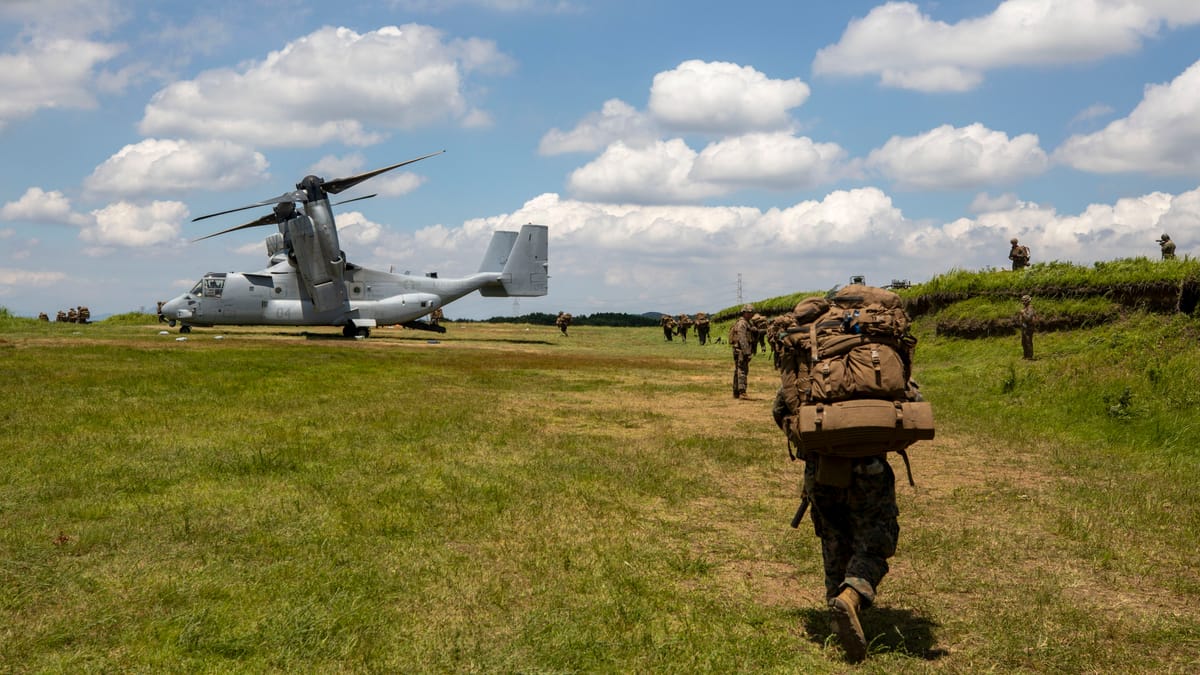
[312,186]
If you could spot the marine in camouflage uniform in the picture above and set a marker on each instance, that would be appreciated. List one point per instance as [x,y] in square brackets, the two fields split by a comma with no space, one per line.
[742,338]
[668,327]
[703,325]
[1167,247]
[758,323]
[1026,320]
[1019,255]
[682,323]
[855,516]
[563,321]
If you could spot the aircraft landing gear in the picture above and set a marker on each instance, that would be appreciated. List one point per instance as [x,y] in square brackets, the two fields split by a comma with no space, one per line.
[350,330]
[185,328]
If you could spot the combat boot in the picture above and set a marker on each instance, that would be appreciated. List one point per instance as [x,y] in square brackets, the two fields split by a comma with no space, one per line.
[845,608]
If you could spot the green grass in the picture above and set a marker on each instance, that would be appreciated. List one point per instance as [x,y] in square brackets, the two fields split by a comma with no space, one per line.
[510,500]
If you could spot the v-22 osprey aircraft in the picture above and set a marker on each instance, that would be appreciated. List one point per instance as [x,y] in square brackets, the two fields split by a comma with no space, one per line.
[309,282]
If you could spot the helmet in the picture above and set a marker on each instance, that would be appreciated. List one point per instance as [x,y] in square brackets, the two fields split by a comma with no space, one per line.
[1026,298]
[747,308]
[1013,240]
[1166,236]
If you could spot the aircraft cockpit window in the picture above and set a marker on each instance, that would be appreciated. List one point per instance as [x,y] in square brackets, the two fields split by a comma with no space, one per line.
[213,287]
[196,290]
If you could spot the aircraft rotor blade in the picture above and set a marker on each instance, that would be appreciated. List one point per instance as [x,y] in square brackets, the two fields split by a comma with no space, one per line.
[296,196]
[269,219]
[355,199]
[339,184]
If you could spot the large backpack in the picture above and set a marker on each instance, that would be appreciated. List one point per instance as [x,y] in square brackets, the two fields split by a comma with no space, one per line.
[845,370]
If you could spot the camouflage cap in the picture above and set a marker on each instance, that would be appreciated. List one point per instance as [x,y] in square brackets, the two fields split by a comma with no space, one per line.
[747,308]
[1165,237]
[1026,298]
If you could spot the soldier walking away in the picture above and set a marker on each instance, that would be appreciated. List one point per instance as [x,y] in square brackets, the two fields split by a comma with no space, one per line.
[1026,320]
[83,315]
[682,323]
[436,316]
[851,493]
[1167,246]
[743,339]
[702,327]
[72,315]
[161,318]
[1018,254]
[563,322]
[43,317]
[668,327]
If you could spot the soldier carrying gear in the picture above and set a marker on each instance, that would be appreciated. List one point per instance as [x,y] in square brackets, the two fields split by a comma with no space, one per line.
[1167,246]
[84,314]
[1018,254]
[1025,321]
[668,327]
[743,339]
[72,316]
[682,323]
[563,321]
[702,327]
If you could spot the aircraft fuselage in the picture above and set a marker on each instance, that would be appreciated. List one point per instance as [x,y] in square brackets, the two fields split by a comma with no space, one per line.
[275,297]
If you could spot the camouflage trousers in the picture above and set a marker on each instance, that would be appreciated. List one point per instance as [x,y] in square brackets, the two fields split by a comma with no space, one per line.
[857,525]
[741,373]
[1027,343]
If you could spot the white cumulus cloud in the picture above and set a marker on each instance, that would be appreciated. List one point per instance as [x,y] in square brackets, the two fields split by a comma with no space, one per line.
[657,174]
[907,48]
[51,73]
[719,97]
[39,206]
[332,85]
[616,121]
[778,160]
[1161,135]
[158,166]
[126,224]
[958,157]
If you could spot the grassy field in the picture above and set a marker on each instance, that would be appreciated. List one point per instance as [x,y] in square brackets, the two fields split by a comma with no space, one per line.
[503,499]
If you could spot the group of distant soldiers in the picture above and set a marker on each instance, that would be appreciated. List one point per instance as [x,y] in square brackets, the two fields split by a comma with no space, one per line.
[80,314]
[1019,253]
[682,323]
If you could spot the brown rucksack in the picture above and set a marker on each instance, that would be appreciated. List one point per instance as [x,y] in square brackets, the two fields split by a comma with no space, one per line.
[845,370]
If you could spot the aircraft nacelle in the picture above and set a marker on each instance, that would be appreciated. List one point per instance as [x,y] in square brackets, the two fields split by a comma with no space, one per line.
[321,268]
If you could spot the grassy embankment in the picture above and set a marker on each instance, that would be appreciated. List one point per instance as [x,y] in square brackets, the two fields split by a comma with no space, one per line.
[510,500]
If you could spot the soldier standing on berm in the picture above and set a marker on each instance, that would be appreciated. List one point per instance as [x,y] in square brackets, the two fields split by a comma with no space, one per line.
[1167,247]
[743,338]
[1026,320]
[1018,254]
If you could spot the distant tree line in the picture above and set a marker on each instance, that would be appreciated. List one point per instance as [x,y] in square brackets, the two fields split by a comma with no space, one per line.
[611,319]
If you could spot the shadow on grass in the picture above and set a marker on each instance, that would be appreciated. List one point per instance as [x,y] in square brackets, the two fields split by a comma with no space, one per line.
[888,630]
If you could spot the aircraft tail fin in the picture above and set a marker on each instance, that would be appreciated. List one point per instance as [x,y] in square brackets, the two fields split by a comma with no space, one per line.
[497,251]
[526,270]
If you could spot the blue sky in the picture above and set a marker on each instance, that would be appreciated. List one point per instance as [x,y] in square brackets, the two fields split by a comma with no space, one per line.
[671,147]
